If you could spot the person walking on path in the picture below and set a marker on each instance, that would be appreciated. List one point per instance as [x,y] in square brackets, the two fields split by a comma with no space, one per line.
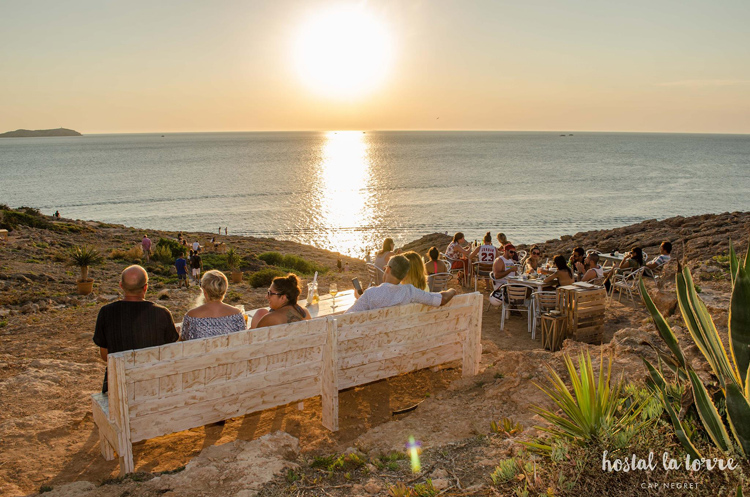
[146,246]
[181,265]
[196,265]
[133,322]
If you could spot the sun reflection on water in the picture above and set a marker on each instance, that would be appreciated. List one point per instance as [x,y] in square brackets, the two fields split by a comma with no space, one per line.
[344,198]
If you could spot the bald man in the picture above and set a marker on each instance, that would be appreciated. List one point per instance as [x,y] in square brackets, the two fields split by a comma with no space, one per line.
[133,322]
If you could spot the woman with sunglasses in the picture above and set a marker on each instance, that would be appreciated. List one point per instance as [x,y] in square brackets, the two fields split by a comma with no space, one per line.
[533,261]
[282,299]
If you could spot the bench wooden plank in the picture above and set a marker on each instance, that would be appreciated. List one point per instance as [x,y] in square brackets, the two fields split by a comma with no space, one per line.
[153,425]
[375,371]
[373,354]
[108,433]
[457,316]
[228,356]
[329,388]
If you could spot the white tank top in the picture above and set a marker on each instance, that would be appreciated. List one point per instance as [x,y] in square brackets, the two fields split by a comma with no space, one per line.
[486,254]
[508,263]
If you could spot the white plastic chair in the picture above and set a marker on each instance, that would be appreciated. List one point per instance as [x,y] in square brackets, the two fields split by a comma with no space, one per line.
[465,280]
[375,273]
[544,301]
[515,298]
[627,283]
[482,270]
[438,281]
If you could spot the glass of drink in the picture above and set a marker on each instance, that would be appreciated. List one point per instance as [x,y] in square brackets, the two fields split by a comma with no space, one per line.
[333,290]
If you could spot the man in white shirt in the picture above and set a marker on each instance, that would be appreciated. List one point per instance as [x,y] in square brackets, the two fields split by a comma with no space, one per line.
[665,251]
[391,292]
[593,269]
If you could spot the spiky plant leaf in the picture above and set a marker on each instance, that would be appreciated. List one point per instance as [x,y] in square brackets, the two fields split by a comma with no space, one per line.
[665,331]
[733,262]
[738,415]
[708,414]
[702,329]
[739,323]
[660,384]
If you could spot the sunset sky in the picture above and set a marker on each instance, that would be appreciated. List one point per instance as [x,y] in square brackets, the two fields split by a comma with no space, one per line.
[185,66]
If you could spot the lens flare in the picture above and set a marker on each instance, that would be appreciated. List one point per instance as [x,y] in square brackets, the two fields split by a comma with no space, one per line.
[413,448]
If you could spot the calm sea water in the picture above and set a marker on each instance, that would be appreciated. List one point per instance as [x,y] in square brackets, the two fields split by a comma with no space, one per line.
[346,191]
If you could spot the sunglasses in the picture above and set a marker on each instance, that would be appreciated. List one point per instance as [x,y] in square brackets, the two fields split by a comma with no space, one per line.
[536,253]
[269,293]
[511,251]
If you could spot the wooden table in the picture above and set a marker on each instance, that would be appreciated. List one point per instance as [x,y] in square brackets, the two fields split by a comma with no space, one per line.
[344,300]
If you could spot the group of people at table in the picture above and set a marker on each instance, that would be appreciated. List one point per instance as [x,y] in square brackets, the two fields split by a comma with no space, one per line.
[505,262]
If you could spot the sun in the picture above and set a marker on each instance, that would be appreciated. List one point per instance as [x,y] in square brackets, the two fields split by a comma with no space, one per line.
[344,52]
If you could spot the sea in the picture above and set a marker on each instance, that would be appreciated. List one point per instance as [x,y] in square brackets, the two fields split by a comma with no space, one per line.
[348,190]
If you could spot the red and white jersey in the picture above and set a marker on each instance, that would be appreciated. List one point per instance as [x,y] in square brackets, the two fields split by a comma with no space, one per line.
[487,254]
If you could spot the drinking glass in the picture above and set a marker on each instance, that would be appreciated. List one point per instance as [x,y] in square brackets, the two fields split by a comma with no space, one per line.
[333,290]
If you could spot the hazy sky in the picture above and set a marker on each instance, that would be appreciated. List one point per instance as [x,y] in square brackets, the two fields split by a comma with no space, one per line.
[168,66]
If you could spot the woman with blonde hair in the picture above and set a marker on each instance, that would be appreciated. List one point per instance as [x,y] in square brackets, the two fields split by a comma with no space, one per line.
[213,317]
[382,257]
[416,275]
[282,299]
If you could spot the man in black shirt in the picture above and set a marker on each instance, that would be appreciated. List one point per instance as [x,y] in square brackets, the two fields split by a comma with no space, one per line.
[132,323]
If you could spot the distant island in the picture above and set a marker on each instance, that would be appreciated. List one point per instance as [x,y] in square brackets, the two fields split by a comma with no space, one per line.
[29,133]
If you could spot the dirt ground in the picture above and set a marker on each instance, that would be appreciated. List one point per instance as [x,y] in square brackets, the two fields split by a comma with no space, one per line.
[49,367]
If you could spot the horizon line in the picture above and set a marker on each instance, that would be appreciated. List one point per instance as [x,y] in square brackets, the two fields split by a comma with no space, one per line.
[410,130]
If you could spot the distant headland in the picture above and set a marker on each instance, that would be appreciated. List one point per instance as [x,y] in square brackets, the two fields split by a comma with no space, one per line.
[29,133]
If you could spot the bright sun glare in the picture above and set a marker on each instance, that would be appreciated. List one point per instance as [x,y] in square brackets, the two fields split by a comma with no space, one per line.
[344,52]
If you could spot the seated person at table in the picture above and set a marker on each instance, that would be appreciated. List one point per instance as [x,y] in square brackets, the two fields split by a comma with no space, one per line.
[416,275]
[213,317]
[504,266]
[665,249]
[282,298]
[391,293]
[593,269]
[575,263]
[435,265]
[485,253]
[563,275]
[533,261]
[632,260]
[456,252]
[382,257]
[502,240]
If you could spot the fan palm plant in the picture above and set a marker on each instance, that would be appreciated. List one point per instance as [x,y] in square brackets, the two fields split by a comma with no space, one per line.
[84,257]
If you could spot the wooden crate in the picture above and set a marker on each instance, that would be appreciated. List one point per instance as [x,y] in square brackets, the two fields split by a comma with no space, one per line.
[587,315]
[553,331]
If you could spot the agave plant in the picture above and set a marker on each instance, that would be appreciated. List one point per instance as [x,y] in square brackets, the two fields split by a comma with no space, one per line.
[595,409]
[729,369]
[83,257]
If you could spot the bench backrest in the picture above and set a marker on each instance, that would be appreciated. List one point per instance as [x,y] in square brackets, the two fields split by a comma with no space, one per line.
[188,384]
[183,385]
[381,343]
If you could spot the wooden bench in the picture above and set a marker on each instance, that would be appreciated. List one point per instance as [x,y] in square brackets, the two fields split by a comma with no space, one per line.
[162,390]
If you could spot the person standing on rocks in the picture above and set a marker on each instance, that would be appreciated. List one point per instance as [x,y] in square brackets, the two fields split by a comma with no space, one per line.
[133,322]
[146,246]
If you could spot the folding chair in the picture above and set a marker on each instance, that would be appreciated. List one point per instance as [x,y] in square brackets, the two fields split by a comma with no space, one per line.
[438,282]
[515,297]
[375,273]
[482,270]
[544,301]
[464,264]
[628,283]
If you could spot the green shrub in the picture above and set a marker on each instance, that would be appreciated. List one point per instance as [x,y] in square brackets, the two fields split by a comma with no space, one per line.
[163,254]
[291,262]
[264,277]
[174,247]
[214,261]
[12,219]
[271,258]
[133,254]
